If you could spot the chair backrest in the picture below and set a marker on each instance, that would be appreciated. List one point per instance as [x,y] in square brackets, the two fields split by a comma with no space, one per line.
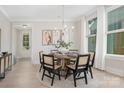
[83,61]
[40,56]
[54,51]
[48,61]
[73,50]
[92,58]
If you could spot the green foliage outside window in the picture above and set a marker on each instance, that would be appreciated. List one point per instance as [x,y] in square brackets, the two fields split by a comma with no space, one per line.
[26,41]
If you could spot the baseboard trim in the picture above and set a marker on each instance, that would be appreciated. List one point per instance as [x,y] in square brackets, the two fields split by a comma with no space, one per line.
[115,71]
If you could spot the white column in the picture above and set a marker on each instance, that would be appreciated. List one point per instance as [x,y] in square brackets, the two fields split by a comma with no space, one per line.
[84,45]
[101,39]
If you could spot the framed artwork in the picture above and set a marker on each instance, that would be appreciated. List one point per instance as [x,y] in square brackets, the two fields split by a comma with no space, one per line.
[56,36]
[47,38]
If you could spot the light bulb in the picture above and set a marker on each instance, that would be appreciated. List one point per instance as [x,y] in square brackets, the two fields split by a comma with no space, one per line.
[24,26]
[65,26]
[72,27]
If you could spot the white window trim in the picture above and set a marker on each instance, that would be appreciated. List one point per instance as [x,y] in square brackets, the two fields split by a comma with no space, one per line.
[113,31]
[93,35]
[111,8]
[115,56]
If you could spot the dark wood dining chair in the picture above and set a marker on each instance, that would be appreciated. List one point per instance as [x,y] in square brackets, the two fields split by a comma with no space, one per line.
[73,52]
[91,63]
[81,65]
[57,60]
[41,60]
[50,66]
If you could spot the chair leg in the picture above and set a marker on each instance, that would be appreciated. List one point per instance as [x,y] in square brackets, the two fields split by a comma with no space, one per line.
[52,79]
[59,74]
[43,74]
[91,72]
[40,68]
[49,73]
[87,72]
[66,73]
[74,75]
[85,76]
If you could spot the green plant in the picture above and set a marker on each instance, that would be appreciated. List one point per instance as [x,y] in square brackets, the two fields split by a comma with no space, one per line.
[63,44]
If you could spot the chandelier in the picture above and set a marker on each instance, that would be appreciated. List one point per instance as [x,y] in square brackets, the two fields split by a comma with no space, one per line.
[61,20]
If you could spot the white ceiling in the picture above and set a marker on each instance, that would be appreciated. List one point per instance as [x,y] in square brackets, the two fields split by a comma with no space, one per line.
[44,12]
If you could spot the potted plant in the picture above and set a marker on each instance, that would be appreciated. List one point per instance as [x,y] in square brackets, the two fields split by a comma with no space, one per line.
[63,46]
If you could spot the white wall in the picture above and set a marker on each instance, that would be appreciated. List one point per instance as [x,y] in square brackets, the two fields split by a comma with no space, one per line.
[114,64]
[5,33]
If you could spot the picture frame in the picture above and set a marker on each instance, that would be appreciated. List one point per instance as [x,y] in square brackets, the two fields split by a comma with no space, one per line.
[47,37]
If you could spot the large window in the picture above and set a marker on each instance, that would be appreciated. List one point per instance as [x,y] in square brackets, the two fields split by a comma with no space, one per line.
[115,34]
[92,27]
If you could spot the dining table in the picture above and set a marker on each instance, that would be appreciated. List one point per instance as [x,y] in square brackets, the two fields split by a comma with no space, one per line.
[65,60]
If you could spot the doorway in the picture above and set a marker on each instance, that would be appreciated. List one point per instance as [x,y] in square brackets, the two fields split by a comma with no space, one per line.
[23,43]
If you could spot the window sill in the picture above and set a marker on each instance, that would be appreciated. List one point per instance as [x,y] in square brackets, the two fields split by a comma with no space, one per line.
[114,57]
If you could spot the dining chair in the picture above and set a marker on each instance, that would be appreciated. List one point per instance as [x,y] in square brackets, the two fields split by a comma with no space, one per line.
[54,51]
[80,66]
[57,60]
[91,63]
[50,66]
[73,50]
[74,53]
[41,60]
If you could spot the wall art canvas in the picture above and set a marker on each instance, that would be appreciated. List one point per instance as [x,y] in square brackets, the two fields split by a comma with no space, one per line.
[47,37]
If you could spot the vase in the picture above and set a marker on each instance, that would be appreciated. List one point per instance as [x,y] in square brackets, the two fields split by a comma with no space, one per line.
[63,50]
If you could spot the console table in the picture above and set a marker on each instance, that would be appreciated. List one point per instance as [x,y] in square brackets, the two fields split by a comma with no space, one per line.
[5,64]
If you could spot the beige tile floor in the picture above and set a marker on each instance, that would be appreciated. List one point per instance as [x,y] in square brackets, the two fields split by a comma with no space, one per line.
[26,75]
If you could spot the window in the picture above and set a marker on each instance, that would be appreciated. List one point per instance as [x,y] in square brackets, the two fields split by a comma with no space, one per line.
[92,28]
[115,34]
[26,41]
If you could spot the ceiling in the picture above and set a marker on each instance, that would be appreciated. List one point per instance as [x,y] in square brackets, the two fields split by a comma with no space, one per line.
[44,12]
